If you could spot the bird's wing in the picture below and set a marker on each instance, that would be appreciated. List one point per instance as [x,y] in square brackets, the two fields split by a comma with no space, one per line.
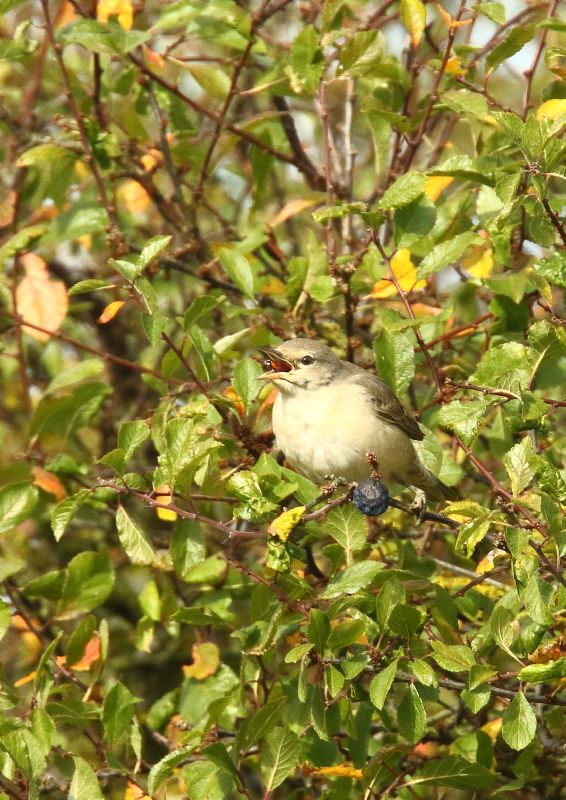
[387,406]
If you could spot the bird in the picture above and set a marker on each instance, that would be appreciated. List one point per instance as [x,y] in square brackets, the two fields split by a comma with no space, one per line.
[329,414]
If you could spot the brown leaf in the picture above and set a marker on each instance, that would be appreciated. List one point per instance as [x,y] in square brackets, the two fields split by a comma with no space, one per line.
[110,311]
[39,299]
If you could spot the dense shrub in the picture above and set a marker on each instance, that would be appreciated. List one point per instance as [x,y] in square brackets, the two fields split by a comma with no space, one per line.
[182,183]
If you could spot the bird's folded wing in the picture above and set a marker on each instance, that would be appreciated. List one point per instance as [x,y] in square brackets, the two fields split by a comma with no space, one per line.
[388,407]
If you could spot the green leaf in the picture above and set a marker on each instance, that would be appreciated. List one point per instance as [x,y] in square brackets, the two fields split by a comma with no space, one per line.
[463,101]
[204,781]
[62,416]
[319,629]
[238,268]
[337,212]
[519,723]
[541,673]
[64,511]
[463,419]
[279,757]
[83,371]
[500,625]
[84,785]
[395,359]
[151,249]
[17,503]
[164,769]
[118,712]
[424,673]
[345,634]
[90,285]
[405,620]
[381,684]
[446,253]
[306,65]
[553,268]
[519,463]
[77,221]
[246,381]
[536,596]
[100,37]
[20,241]
[215,82]
[413,17]
[453,658]
[132,435]
[493,11]
[362,51]
[347,526]
[513,42]
[455,772]
[134,540]
[88,582]
[404,190]
[352,579]
[411,716]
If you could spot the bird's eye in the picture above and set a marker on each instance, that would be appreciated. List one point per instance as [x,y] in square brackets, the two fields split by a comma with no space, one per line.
[306,360]
[267,365]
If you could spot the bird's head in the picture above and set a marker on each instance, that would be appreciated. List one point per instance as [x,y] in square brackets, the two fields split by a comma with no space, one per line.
[300,364]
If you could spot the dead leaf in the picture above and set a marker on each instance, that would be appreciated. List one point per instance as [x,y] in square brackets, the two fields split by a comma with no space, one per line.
[206,660]
[65,15]
[49,482]
[339,771]
[39,299]
[405,272]
[110,311]
[90,655]
[134,792]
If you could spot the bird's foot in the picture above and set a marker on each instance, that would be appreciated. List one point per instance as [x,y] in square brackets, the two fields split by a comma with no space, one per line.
[332,483]
[418,506]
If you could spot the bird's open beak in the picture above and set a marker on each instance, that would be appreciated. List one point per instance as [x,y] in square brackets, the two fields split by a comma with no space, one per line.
[275,364]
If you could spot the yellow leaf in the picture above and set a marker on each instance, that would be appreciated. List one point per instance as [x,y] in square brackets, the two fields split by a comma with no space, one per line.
[551,109]
[273,287]
[413,17]
[454,66]
[479,263]
[134,792]
[26,679]
[405,272]
[339,771]
[164,496]
[451,23]
[133,196]
[110,311]
[39,299]
[492,728]
[435,185]
[151,160]
[49,483]
[285,522]
[291,209]
[122,9]
[206,660]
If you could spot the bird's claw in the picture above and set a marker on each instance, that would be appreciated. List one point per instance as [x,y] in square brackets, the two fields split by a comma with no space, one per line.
[418,506]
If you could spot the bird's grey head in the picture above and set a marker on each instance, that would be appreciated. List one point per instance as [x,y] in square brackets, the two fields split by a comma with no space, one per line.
[300,364]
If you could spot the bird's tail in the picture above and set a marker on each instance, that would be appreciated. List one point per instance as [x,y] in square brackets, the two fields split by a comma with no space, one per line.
[434,489]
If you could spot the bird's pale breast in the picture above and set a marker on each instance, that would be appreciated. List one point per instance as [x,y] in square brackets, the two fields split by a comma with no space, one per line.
[328,431]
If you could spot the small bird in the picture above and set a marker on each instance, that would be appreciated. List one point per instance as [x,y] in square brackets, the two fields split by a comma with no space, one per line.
[330,413]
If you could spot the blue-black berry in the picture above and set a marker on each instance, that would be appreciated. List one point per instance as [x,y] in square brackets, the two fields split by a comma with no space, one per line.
[371,497]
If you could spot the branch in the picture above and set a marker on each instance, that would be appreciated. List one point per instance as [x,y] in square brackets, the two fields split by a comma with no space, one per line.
[302,162]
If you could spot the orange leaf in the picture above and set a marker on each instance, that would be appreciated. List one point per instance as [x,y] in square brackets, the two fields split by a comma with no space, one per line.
[122,9]
[405,272]
[7,208]
[90,655]
[206,660]
[65,15]
[110,311]
[232,395]
[267,403]
[39,299]
[49,483]
[133,196]
[291,209]
[452,23]
[164,496]
[26,679]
